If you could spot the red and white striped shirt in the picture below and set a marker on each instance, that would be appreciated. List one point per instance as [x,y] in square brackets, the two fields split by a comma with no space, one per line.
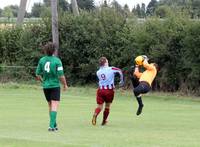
[106,77]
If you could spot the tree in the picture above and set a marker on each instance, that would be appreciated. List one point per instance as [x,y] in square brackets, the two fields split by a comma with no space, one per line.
[86,4]
[174,2]
[15,9]
[163,11]
[7,12]
[1,12]
[37,10]
[47,3]
[192,7]
[105,3]
[151,7]
[143,11]
[196,8]
[64,5]
[27,15]
[138,10]
[21,12]
[54,23]
[126,8]
[134,11]
[117,6]
[74,7]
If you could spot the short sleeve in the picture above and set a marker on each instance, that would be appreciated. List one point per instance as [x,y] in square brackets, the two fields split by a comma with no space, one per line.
[116,70]
[60,68]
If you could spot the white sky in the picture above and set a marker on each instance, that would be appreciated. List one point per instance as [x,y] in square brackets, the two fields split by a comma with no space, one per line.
[131,3]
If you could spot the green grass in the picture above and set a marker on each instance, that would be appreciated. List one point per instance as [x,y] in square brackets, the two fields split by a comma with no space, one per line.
[167,120]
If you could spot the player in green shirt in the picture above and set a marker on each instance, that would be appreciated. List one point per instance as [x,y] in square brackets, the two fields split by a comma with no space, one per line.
[50,72]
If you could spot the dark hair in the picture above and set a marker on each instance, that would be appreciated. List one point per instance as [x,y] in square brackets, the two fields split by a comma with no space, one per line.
[102,61]
[49,48]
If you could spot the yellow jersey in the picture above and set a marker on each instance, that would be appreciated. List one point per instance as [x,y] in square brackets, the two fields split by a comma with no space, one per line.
[148,75]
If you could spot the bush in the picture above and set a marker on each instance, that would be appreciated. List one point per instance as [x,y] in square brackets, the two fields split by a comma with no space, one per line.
[172,42]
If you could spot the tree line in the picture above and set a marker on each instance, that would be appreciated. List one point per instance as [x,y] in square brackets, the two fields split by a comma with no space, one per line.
[172,42]
[160,8]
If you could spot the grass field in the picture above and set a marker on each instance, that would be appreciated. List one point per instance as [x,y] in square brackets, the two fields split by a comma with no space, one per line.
[167,121]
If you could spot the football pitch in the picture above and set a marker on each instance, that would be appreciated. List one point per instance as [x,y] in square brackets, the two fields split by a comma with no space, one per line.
[166,121]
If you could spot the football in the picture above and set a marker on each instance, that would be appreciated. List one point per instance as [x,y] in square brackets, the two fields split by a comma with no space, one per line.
[139,60]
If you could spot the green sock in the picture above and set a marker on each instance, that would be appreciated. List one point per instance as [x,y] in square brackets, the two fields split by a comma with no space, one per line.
[55,125]
[52,119]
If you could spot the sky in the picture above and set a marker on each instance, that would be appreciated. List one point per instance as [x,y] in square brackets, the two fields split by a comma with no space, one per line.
[131,3]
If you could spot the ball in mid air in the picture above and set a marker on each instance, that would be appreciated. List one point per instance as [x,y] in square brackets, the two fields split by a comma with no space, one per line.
[139,60]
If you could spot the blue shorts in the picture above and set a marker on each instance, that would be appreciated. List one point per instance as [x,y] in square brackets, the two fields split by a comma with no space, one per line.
[142,88]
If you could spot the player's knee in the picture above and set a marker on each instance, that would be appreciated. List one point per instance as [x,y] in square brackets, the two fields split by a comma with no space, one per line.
[107,105]
[100,106]
[136,92]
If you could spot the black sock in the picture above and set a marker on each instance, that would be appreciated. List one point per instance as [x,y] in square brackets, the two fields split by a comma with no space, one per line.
[139,100]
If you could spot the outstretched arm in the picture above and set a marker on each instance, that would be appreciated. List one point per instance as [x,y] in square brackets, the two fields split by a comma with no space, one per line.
[117,70]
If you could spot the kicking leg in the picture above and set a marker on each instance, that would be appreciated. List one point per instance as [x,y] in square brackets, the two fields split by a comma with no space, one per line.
[137,92]
[141,89]
[140,103]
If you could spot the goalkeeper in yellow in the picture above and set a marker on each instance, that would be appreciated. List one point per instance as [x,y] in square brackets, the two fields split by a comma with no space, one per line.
[145,79]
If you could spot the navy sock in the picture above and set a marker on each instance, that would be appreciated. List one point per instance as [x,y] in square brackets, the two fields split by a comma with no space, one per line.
[139,100]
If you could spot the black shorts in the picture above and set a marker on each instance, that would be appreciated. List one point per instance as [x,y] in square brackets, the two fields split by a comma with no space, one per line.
[142,88]
[52,94]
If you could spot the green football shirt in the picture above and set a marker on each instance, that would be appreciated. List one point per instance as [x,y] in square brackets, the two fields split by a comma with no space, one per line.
[50,69]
